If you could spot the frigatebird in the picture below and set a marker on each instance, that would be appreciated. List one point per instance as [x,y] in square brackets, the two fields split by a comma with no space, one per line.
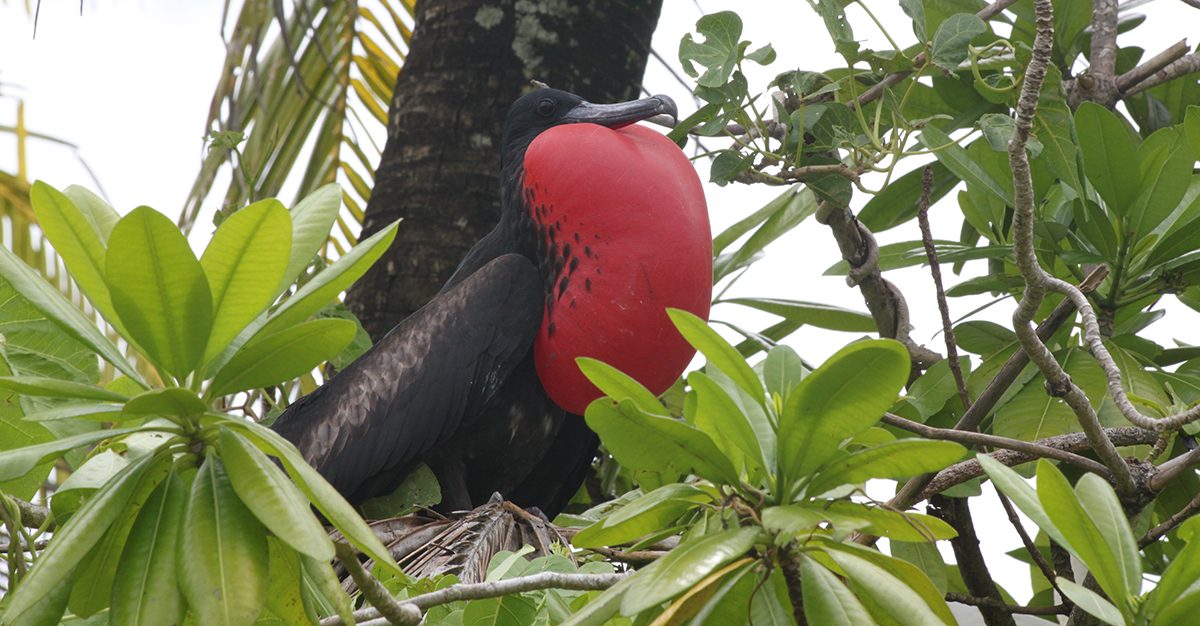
[603,226]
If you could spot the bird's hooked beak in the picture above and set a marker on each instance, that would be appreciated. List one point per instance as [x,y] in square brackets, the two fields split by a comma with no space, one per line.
[622,114]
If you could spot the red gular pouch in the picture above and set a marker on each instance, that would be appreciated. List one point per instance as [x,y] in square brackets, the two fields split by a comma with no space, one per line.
[623,218]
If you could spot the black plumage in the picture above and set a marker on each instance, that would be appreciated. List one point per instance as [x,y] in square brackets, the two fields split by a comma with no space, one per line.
[454,385]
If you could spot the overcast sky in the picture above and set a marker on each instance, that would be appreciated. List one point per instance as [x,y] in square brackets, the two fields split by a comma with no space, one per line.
[129,83]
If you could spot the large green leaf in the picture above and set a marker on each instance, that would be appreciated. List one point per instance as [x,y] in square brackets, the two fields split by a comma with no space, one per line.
[95,210]
[273,499]
[55,306]
[742,432]
[327,499]
[903,590]
[842,398]
[16,432]
[618,385]
[75,539]
[718,352]
[685,566]
[19,462]
[331,281]
[77,242]
[952,38]
[285,597]
[312,218]
[1109,156]
[898,202]
[146,591]
[281,356]
[1166,169]
[512,610]
[222,558]
[648,513]
[1095,604]
[1177,596]
[57,388]
[159,290]
[1100,502]
[1014,486]
[640,440]
[1082,535]
[244,262]
[895,459]
[777,217]
[826,598]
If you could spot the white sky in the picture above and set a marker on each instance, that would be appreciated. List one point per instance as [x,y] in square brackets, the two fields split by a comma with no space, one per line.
[129,82]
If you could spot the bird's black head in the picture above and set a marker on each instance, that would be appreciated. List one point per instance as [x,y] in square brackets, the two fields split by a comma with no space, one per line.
[542,109]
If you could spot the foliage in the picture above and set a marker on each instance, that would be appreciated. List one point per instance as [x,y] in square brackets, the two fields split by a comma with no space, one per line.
[168,511]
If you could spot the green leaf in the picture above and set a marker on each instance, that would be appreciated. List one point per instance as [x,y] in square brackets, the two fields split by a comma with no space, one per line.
[907,594]
[55,306]
[285,598]
[1100,502]
[952,38]
[618,385]
[1165,174]
[782,370]
[21,461]
[327,284]
[998,130]
[77,241]
[898,202]
[727,165]
[312,218]
[640,440]
[56,388]
[169,401]
[245,262]
[811,313]
[933,389]
[956,159]
[1014,486]
[15,433]
[75,539]
[644,515]
[513,610]
[327,499]
[222,559]
[1092,602]
[94,209]
[844,397]
[1033,414]
[685,566]
[1191,128]
[1081,534]
[159,290]
[320,580]
[270,359]
[826,598]
[145,591]
[895,459]
[1109,156]
[1177,596]
[983,337]
[737,424]
[718,352]
[925,557]
[718,53]
[273,499]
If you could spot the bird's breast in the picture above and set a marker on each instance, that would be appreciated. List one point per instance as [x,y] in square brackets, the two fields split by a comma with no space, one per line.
[623,234]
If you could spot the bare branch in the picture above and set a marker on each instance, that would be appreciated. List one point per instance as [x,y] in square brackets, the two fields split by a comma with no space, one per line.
[973,438]
[477,591]
[1173,468]
[1187,64]
[1073,442]
[1152,66]
[1156,533]
[1058,609]
[401,614]
[935,270]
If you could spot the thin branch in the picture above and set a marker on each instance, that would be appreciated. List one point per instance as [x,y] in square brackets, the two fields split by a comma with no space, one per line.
[1074,442]
[401,614]
[1037,281]
[1058,609]
[634,557]
[1152,66]
[478,591]
[1027,541]
[970,437]
[935,270]
[1188,64]
[1173,468]
[1156,533]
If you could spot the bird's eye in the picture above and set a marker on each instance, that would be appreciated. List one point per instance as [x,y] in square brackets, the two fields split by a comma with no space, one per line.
[545,108]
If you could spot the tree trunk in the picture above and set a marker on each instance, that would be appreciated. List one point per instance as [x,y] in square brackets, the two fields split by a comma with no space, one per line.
[468,60]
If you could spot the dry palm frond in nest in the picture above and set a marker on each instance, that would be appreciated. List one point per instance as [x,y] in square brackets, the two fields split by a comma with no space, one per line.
[462,544]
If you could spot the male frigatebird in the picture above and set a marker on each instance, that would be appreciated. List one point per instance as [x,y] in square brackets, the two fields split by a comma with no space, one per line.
[603,226]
